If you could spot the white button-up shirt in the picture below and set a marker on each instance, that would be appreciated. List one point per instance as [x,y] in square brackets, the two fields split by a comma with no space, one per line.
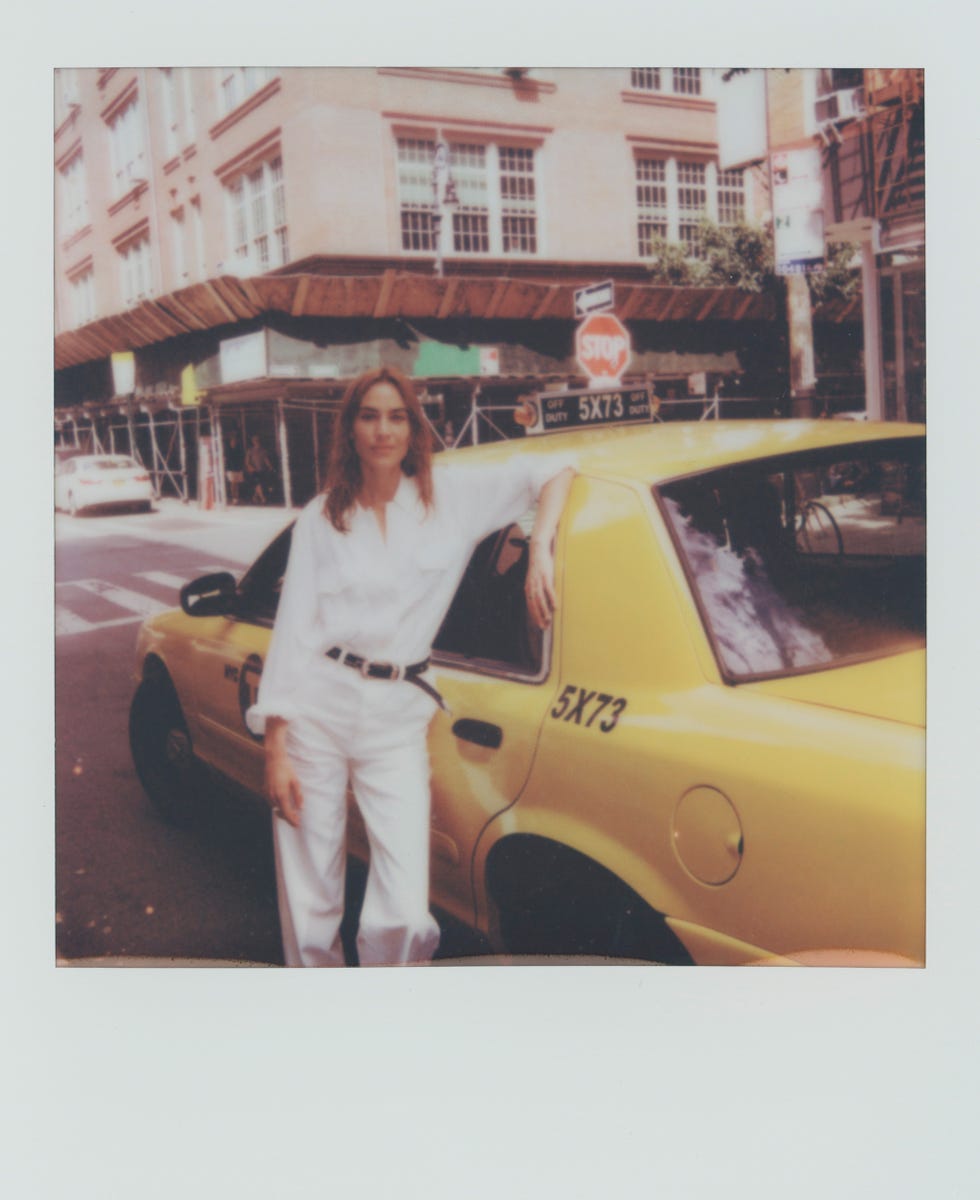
[384,597]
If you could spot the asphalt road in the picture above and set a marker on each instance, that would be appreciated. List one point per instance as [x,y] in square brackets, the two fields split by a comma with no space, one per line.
[127,884]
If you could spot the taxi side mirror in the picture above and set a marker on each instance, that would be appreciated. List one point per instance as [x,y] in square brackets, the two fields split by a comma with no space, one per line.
[210,596]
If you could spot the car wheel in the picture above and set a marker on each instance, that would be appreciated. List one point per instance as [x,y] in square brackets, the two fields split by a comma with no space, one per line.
[548,900]
[162,751]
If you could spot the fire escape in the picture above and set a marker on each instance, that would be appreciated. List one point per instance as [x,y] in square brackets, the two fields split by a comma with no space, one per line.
[874,152]
[896,125]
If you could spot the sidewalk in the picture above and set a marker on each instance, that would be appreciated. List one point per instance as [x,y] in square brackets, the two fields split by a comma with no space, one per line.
[237,533]
[271,516]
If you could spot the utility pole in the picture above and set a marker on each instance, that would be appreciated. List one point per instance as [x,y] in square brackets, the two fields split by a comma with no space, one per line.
[444,196]
[802,374]
[799,310]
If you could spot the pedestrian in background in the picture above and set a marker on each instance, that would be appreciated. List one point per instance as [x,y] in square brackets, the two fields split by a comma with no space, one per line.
[260,471]
[345,693]
[235,466]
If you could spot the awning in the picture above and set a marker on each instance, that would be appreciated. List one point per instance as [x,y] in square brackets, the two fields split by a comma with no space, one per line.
[228,300]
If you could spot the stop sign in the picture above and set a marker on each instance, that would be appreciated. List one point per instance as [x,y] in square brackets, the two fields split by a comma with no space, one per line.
[602,346]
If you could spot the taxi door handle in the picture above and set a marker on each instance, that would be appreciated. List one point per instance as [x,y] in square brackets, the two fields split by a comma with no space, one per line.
[480,732]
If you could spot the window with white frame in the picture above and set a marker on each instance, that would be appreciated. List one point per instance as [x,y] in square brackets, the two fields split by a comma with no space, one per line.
[682,81]
[83,297]
[686,81]
[415,196]
[651,202]
[178,234]
[471,217]
[74,196]
[645,79]
[199,268]
[257,216]
[692,202]
[518,200]
[126,147]
[496,209]
[168,96]
[236,84]
[674,195]
[731,197]
[187,87]
[134,270]
[67,93]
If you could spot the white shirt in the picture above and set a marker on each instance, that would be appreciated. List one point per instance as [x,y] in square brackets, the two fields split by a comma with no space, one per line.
[384,598]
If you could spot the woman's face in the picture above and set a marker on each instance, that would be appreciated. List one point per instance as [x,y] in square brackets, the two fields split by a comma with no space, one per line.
[382,429]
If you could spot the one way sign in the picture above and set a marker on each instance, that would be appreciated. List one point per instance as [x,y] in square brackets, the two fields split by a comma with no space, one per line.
[597,297]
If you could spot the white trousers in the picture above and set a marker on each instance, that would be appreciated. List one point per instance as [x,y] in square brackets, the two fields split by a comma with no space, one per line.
[372,733]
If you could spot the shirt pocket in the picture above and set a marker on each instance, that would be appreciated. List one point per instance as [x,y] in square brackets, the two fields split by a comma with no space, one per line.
[334,580]
[438,556]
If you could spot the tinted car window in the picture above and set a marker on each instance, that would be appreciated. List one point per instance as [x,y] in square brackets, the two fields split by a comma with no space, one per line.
[487,625]
[807,561]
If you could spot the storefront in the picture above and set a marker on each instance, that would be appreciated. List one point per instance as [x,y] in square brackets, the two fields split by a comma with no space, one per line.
[903,337]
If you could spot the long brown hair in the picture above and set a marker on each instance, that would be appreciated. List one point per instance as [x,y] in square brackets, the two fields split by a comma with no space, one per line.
[344,477]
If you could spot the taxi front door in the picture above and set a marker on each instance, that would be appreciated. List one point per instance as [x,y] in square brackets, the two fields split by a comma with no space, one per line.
[494,672]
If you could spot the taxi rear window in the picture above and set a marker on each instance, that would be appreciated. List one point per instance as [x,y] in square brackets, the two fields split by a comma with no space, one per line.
[806,561]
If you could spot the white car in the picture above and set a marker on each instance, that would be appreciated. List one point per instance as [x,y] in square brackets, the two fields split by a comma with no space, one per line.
[97,480]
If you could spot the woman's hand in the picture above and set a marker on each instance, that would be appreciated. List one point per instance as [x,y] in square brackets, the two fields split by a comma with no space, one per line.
[282,789]
[539,587]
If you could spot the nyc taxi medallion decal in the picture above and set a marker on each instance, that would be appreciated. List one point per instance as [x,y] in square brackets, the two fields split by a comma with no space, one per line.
[584,707]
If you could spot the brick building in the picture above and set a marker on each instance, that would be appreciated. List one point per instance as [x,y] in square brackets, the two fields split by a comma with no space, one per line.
[276,231]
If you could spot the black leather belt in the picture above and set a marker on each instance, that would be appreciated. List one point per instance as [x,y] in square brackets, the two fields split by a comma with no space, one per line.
[391,671]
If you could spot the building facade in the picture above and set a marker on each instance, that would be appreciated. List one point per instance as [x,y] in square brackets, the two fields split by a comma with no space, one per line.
[172,176]
[311,222]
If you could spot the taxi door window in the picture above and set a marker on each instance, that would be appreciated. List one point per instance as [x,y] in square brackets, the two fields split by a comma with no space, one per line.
[487,628]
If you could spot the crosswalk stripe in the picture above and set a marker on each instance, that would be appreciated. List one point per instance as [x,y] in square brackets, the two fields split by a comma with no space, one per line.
[138,605]
[136,602]
[165,579]
[130,620]
[66,621]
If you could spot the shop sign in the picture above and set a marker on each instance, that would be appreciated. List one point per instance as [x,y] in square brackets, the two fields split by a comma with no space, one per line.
[244,357]
[124,373]
[797,211]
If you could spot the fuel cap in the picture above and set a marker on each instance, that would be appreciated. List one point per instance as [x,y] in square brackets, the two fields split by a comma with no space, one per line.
[707,835]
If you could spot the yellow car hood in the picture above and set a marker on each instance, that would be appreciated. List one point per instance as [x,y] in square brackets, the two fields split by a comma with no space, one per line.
[891,688]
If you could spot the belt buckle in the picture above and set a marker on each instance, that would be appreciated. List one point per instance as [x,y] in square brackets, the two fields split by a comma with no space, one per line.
[393,671]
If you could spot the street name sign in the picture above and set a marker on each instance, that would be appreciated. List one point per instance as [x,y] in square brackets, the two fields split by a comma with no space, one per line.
[597,297]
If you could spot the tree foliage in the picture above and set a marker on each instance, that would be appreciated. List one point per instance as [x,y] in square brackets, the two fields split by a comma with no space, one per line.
[742,256]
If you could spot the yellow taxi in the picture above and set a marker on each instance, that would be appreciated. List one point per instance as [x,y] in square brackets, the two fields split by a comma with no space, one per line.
[715,756]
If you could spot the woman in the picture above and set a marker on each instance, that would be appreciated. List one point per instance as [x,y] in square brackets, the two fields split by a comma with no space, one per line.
[373,566]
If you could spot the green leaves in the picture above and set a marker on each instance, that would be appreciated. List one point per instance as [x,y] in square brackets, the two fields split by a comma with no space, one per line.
[741,256]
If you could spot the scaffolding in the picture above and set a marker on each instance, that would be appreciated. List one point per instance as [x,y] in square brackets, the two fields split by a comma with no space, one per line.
[162,437]
[293,419]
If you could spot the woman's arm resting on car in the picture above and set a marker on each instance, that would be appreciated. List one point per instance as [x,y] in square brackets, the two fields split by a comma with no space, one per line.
[540,585]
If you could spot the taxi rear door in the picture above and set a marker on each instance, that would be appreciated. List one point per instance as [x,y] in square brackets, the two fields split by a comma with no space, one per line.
[228,654]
